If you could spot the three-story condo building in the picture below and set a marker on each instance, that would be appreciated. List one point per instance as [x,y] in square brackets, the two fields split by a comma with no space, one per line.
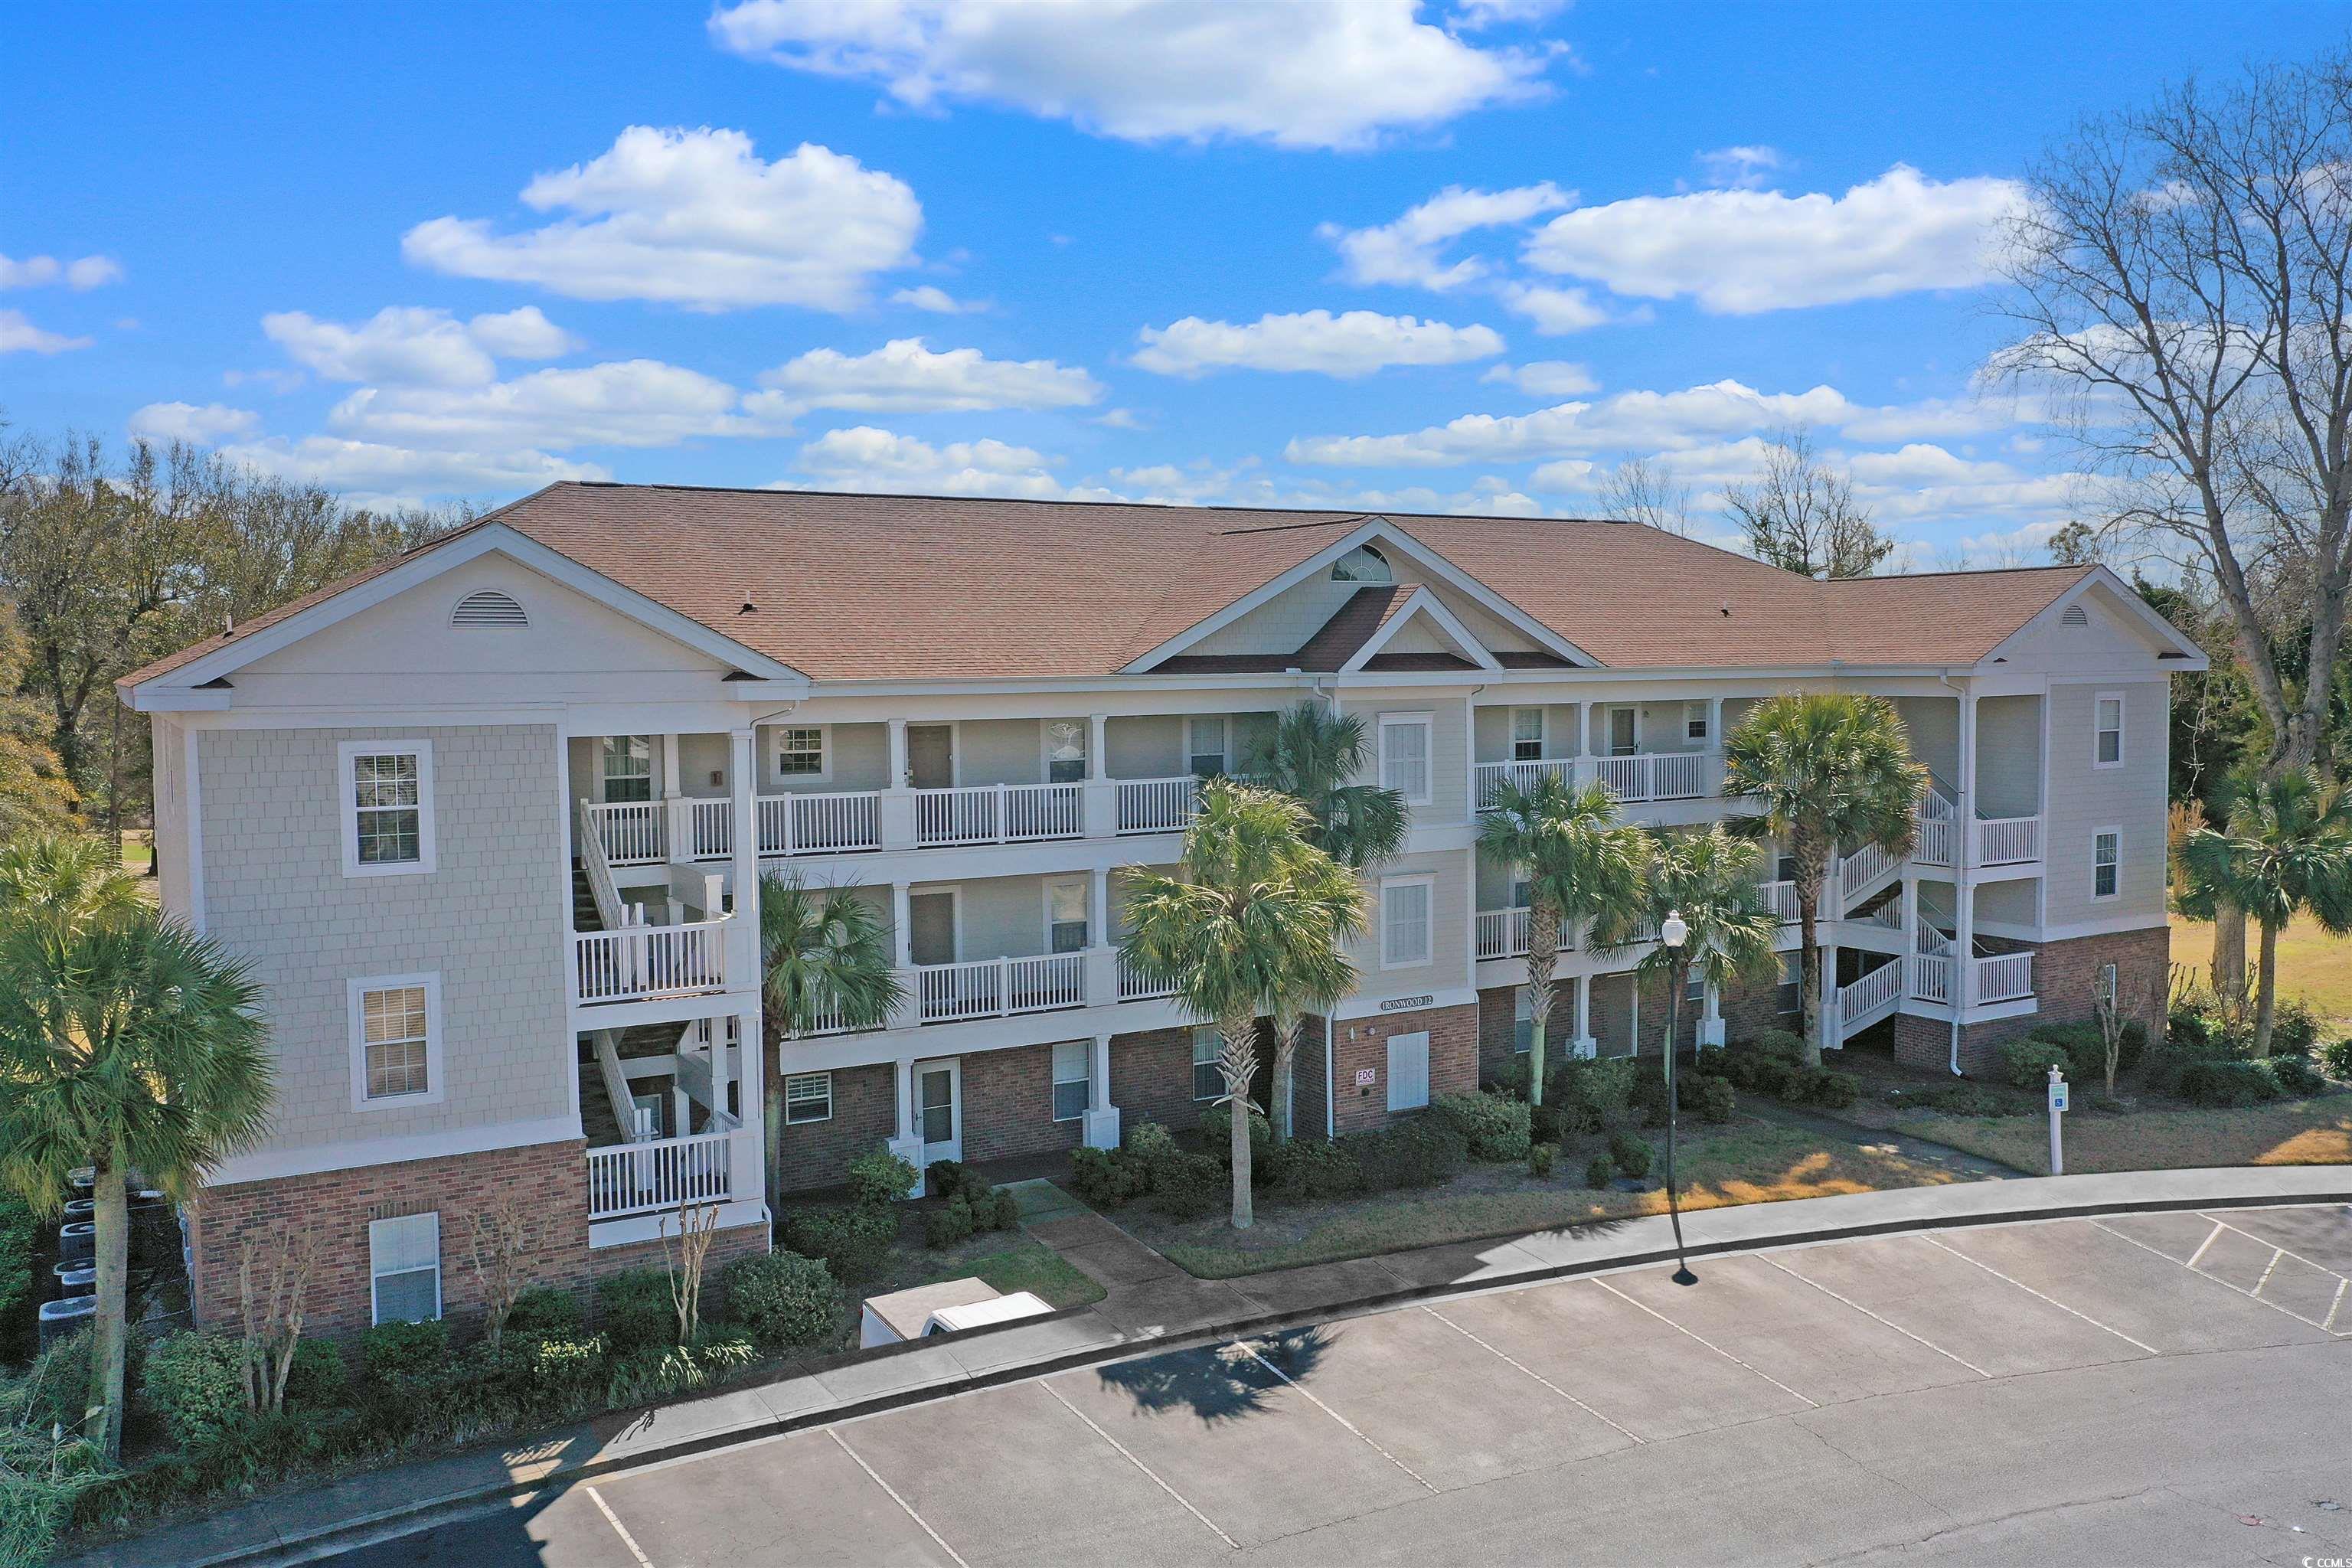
[488,822]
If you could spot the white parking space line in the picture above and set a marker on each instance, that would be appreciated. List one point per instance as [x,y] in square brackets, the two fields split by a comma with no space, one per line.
[2266,1241]
[1251,1351]
[2337,1305]
[2240,1289]
[1139,1464]
[2211,1237]
[2267,1268]
[1810,1403]
[892,1491]
[2054,1300]
[619,1529]
[1534,1374]
[1868,1313]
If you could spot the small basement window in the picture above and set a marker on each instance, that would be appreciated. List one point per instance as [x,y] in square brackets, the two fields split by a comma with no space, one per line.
[488,610]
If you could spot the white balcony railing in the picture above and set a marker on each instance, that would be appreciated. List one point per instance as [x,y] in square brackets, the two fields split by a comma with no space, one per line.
[632,832]
[637,961]
[1659,775]
[1781,898]
[1157,805]
[1524,774]
[2008,840]
[1931,977]
[999,814]
[1858,872]
[994,988]
[709,827]
[820,824]
[1503,933]
[1938,838]
[1134,986]
[2004,977]
[1871,997]
[659,1173]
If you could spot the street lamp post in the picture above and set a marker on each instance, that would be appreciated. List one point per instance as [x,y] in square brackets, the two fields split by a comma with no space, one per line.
[1674,931]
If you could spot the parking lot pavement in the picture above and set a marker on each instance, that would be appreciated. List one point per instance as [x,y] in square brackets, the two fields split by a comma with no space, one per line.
[2156,1387]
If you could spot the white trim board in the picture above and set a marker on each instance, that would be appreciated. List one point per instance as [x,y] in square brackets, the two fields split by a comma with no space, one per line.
[310,1160]
[1422,602]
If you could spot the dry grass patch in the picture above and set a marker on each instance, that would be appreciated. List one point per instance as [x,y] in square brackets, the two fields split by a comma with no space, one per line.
[2292,1133]
[2312,964]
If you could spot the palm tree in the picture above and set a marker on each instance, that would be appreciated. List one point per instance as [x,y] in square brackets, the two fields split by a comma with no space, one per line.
[1254,913]
[825,960]
[2286,850]
[1314,757]
[127,1042]
[1579,861]
[1711,880]
[1829,770]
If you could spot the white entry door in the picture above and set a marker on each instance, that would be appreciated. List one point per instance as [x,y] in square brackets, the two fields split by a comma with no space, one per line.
[1408,1072]
[938,1109]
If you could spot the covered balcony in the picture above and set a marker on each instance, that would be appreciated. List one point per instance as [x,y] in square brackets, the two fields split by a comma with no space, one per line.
[1651,750]
[664,1118]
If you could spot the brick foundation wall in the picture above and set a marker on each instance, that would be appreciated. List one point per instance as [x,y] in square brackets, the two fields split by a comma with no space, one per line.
[1498,1026]
[1751,1006]
[1008,1105]
[816,1155]
[1152,1079]
[2064,974]
[550,1180]
[1362,1043]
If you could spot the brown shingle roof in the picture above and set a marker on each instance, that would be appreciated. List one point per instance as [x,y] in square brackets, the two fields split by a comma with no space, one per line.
[871,587]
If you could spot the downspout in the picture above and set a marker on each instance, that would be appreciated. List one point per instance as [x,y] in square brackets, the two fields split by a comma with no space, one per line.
[1958,983]
[1330,1089]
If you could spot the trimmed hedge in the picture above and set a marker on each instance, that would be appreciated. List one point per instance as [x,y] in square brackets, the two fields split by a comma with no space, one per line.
[853,1240]
[403,1354]
[2228,1084]
[1540,1157]
[1495,1128]
[1600,1173]
[879,1177]
[195,1383]
[1631,1154]
[2337,1059]
[1217,1136]
[547,1311]
[783,1298]
[1310,1172]
[1187,1186]
[635,1312]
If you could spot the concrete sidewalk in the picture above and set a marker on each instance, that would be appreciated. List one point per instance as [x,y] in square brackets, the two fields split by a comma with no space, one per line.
[1151,1305]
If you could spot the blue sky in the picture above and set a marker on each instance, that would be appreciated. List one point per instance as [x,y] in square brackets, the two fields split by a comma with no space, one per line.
[1289,254]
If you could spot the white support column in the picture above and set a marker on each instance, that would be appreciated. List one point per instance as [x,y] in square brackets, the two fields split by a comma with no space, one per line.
[1099,796]
[908,1144]
[743,843]
[678,830]
[1832,1020]
[747,1160]
[1582,1044]
[1102,1116]
[1102,957]
[896,778]
[895,812]
[1964,871]
[1585,771]
[1098,746]
[902,924]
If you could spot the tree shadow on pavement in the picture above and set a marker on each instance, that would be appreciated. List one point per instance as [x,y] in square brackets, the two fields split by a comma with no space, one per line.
[1220,1383]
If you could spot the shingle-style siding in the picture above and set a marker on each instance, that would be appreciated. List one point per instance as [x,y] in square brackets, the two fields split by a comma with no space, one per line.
[490,920]
[2008,757]
[2084,799]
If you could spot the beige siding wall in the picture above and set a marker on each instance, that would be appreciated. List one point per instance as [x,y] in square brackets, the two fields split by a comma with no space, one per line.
[2085,799]
[2008,757]
[490,920]
[1494,728]
[1449,750]
[1934,725]
[1450,893]
[1000,751]
[172,882]
[857,756]
[1284,623]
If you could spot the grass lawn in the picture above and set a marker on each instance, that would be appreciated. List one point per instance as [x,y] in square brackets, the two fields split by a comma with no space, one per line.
[1017,1264]
[1744,1162]
[2312,964]
[2291,1132]
[138,850]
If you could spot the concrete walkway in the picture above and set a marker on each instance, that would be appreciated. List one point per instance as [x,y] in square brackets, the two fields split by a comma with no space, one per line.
[1150,1305]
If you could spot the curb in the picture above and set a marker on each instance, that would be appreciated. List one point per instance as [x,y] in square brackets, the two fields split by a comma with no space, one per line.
[424,1512]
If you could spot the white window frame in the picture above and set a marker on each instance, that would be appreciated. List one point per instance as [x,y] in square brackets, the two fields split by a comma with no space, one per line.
[2118,698]
[824,773]
[1085,884]
[348,808]
[1342,571]
[605,776]
[1428,883]
[1697,721]
[376,1274]
[1224,743]
[1427,723]
[1207,1033]
[1786,980]
[436,1083]
[801,1081]
[2117,834]
[1086,1051]
[1523,1020]
[1542,734]
[1045,748]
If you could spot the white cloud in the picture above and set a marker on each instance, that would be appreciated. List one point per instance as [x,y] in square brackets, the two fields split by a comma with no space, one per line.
[1740,252]
[1119,419]
[693,218]
[1943,417]
[938,301]
[1922,463]
[1554,312]
[863,457]
[1354,343]
[1472,15]
[1626,420]
[414,345]
[627,403]
[37,271]
[18,335]
[369,473]
[1406,251]
[167,422]
[275,380]
[903,376]
[1293,75]
[1739,168]
[1546,378]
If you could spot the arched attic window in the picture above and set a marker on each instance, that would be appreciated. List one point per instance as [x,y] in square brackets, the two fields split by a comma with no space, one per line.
[1362,565]
[487,609]
[2075,615]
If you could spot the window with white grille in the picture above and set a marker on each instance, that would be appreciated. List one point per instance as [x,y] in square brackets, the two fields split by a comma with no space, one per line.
[1208,1082]
[1404,756]
[1527,734]
[800,752]
[395,1023]
[2107,731]
[808,1097]
[404,1268]
[2107,862]
[387,807]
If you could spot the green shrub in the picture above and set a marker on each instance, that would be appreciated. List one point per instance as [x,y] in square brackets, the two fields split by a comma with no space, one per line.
[1650,1098]
[1631,1154]
[1710,1095]
[2188,1025]
[1836,1091]
[1541,1158]
[195,1383]
[783,1298]
[1414,1151]
[1781,1045]
[316,1380]
[545,1310]
[1802,1086]
[562,1370]
[1600,1088]
[2296,1076]
[1187,1186]
[2295,1028]
[654,1374]
[635,1310]
[2337,1059]
[1600,1173]
[1102,1178]
[54,1390]
[2025,1063]
[1148,1142]
[1217,1135]
[1495,1128]
[1307,1171]
[853,1240]
[878,1177]
[1964,1100]
[1004,1210]
[2086,1050]
[948,1222]
[403,1354]
[17,1229]
[2227,1083]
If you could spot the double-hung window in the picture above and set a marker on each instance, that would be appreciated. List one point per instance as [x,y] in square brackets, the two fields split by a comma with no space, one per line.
[2107,731]
[800,752]
[1695,723]
[1405,920]
[628,768]
[1788,996]
[1065,751]
[1208,1079]
[1204,743]
[404,1268]
[2107,862]
[1072,1067]
[1527,734]
[808,1097]
[387,807]
[1065,915]
[1523,1020]
[1404,756]
[396,1040]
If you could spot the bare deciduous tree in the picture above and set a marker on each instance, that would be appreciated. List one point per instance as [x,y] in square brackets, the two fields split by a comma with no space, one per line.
[1640,489]
[273,1284]
[698,1224]
[1801,515]
[501,1241]
[2120,994]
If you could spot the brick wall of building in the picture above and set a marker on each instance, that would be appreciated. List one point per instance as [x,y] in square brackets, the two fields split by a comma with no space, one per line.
[816,1155]
[1152,1079]
[1498,1026]
[2063,975]
[550,1179]
[1361,1044]
[1008,1105]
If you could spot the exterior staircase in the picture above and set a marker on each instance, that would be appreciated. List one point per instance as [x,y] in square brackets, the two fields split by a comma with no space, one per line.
[584,901]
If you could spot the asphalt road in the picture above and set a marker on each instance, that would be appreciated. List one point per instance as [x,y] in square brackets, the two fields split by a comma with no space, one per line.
[2149,1389]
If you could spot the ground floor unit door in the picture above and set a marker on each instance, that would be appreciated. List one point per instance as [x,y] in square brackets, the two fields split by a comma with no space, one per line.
[938,1109]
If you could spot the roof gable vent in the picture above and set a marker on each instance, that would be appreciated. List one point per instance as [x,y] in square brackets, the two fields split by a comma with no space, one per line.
[2075,615]
[487,609]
